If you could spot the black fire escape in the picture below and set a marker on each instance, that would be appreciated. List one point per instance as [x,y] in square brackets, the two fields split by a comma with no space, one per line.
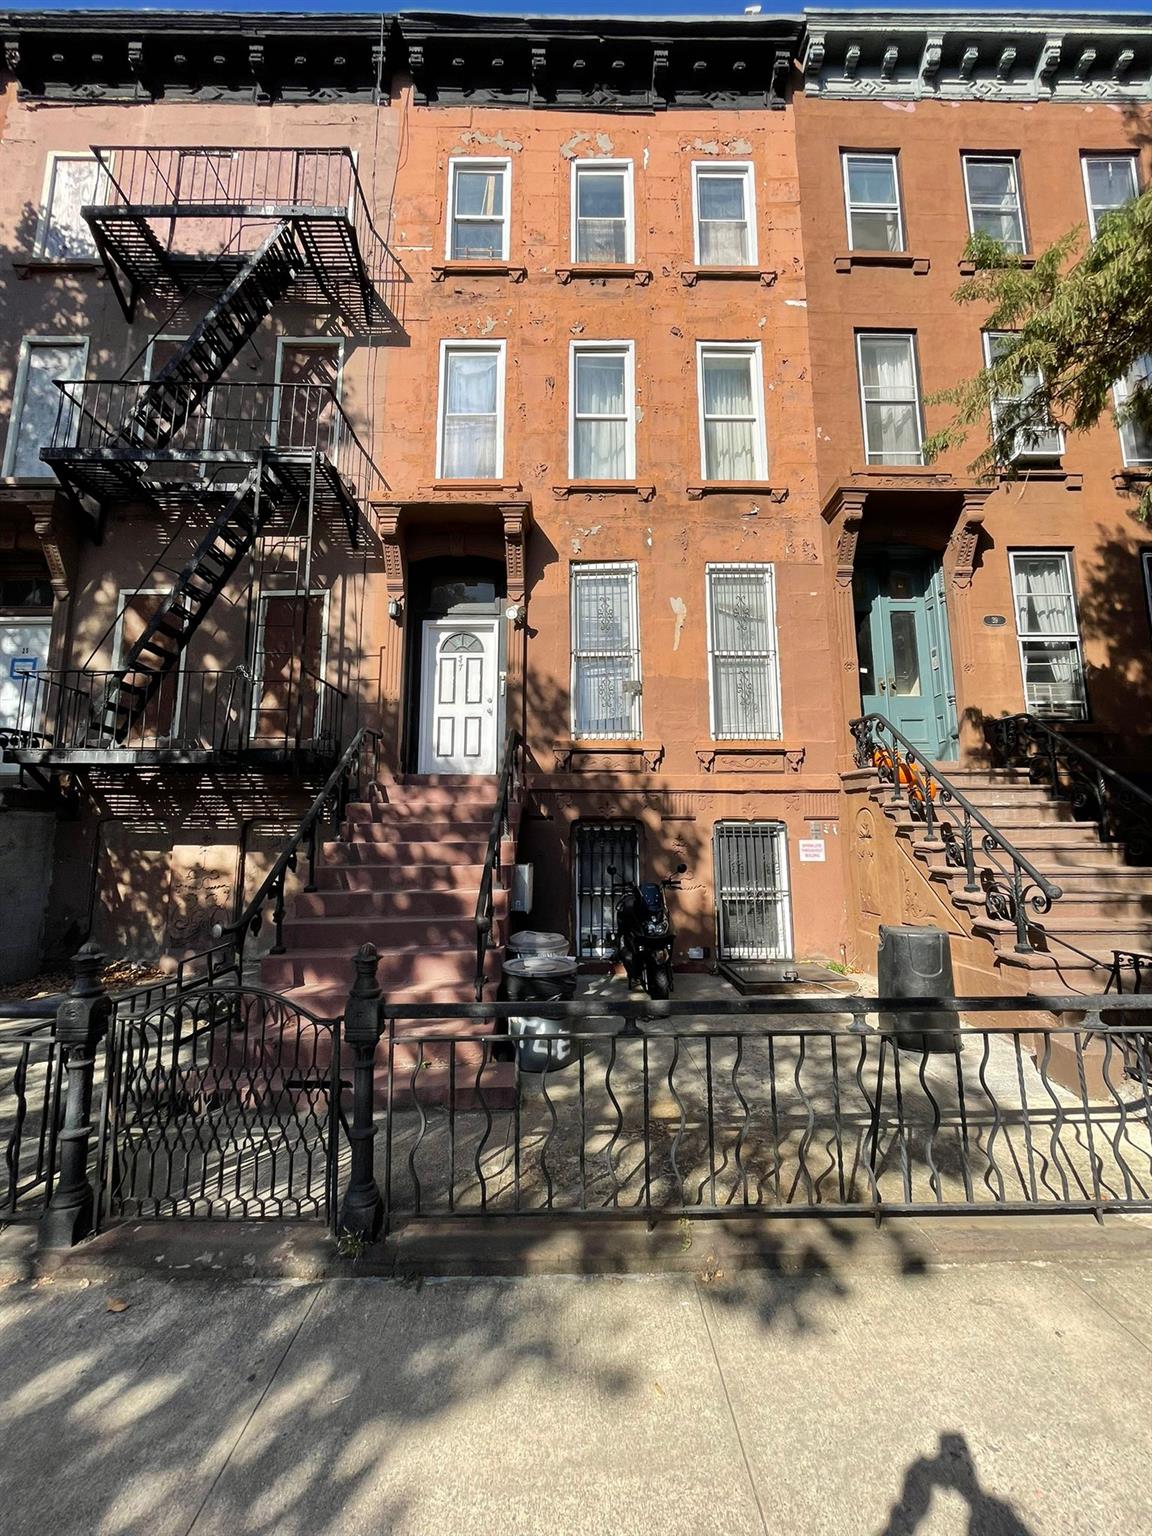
[249,230]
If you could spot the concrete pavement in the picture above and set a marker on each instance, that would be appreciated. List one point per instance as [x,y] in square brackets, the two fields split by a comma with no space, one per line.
[903,1394]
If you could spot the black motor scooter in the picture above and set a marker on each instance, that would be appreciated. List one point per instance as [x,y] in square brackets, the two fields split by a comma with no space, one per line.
[643,938]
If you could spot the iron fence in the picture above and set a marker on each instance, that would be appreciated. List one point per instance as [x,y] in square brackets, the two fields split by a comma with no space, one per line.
[30,1083]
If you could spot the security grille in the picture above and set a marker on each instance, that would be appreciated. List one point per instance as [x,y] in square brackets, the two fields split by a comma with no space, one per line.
[752,906]
[600,848]
[745,684]
[605,652]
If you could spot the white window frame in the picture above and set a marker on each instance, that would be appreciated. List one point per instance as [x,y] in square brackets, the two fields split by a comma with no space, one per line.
[1024,639]
[319,343]
[626,166]
[44,223]
[1085,158]
[479,163]
[770,658]
[753,351]
[1120,400]
[27,344]
[271,594]
[910,338]
[743,169]
[446,347]
[850,207]
[1020,452]
[626,349]
[631,569]
[1014,162]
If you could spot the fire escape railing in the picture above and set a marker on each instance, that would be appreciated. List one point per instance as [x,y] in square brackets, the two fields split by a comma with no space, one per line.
[1011,885]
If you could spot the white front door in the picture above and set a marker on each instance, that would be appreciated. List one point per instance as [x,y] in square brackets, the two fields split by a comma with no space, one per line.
[460,690]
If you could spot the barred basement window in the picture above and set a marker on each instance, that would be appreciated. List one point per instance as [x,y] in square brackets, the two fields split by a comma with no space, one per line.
[753,910]
[605,652]
[602,847]
[743,667]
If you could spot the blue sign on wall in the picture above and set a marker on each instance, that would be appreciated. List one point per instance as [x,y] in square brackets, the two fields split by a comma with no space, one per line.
[23,666]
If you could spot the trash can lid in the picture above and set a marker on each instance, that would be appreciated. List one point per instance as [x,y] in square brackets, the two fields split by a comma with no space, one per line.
[540,965]
[530,942]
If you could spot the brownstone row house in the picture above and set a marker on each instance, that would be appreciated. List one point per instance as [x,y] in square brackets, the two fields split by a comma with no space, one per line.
[459,376]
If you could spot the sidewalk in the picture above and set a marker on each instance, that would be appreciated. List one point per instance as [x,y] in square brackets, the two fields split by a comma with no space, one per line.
[887,1388]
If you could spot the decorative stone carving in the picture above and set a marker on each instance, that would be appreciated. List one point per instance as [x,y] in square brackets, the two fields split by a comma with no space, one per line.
[388,514]
[515,517]
[59,546]
[966,538]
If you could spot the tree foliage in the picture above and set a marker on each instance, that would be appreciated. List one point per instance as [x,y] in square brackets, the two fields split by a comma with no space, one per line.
[1080,318]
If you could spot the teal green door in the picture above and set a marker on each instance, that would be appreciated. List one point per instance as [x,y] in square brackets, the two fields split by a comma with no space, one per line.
[902,647]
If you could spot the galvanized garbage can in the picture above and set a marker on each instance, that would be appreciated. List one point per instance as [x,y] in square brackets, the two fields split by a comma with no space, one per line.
[542,979]
[917,962]
[532,943]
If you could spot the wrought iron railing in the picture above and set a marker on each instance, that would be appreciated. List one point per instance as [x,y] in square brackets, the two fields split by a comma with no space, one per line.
[1013,889]
[353,776]
[508,787]
[1129,972]
[1120,808]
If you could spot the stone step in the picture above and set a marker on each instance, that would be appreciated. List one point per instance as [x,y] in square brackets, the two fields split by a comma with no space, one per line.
[442,814]
[417,832]
[983,774]
[1108,880]
[1091,907]
[412,903]
[477,781]
[386,932]
[1038,834]
[329,998]
[406,853]
[399,968]
[380,877]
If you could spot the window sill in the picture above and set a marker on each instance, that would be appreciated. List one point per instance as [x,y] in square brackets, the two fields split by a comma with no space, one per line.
[17,488]
[773,493]
[969,268]
[920,265]
[68,264]
[1051,474]
[628,755]
[764,756]
[690,276]
[603,488]
[493,487]
[597,269]
[478,269]
[1132,477]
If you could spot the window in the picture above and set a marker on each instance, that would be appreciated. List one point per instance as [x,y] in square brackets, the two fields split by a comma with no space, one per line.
[471,433]
[605,652]
[731,399]
[1049,634]
[753,911]
[872,200]
[743,672]
[41,413]
[1146,566]
[992,183]
[725,208]
[890,397]
[478,199]
[602,211]
[69,184]
[1135,436]
[1037,437]
[1109,182]
[607,857]
[602,444]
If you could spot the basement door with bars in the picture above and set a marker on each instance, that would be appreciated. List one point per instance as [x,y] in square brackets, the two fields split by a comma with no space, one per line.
[460,696]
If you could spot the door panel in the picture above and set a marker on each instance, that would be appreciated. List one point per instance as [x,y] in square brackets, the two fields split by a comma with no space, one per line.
[460,704]
[287,666]
[902,647]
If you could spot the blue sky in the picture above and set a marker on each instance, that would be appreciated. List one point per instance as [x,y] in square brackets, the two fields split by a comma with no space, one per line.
[555,7]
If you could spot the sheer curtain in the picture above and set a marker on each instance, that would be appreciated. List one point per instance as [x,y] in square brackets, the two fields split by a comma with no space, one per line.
[723,221]
[729,417]
[1053,669]
[470,416]
[1043,596]
[890,406]
[600,448]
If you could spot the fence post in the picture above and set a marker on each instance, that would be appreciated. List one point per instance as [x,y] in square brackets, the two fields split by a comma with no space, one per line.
[362,1212]
[80,1025]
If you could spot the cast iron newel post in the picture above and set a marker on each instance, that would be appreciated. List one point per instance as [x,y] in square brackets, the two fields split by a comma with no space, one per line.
[363,1210]
[80,1025]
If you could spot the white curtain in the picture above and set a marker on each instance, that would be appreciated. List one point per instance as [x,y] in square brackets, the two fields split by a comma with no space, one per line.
[601,418]
[470,416]
[723,221]
[742,642]
[605,655]
[729,418]
[890,405]
[1044,596]
[40,405]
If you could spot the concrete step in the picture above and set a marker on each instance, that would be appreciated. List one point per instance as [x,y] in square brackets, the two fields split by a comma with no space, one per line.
[432,879]
[399,968]
[406,854]
[386,932]
[417,832]
[394,904]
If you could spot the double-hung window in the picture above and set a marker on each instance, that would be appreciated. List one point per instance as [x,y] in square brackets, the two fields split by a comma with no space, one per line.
[743,669]
[602,443]
[724,203]
[1049,634]
[69,184]
[478,203]
[42,413]
[992,184]
[1109,182]
[890,397]
[605,652]
[602,217]
[872,203]
[471,428]
[1036,436]
[1135,436]
[731,400]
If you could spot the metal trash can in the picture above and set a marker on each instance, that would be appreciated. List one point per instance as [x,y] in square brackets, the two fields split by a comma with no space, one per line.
[917,962]
[542,979]
[532,943]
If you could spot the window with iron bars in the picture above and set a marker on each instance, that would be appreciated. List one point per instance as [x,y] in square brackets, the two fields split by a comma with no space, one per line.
[602,847]
[753,907]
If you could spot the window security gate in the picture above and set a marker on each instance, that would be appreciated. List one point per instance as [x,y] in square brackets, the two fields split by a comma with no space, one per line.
[601,847]
[221,1103]
[753,914]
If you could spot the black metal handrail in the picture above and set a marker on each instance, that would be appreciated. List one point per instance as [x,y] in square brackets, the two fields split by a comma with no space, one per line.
[1121,809]
[333,799]
[509,785]
[1009,890]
